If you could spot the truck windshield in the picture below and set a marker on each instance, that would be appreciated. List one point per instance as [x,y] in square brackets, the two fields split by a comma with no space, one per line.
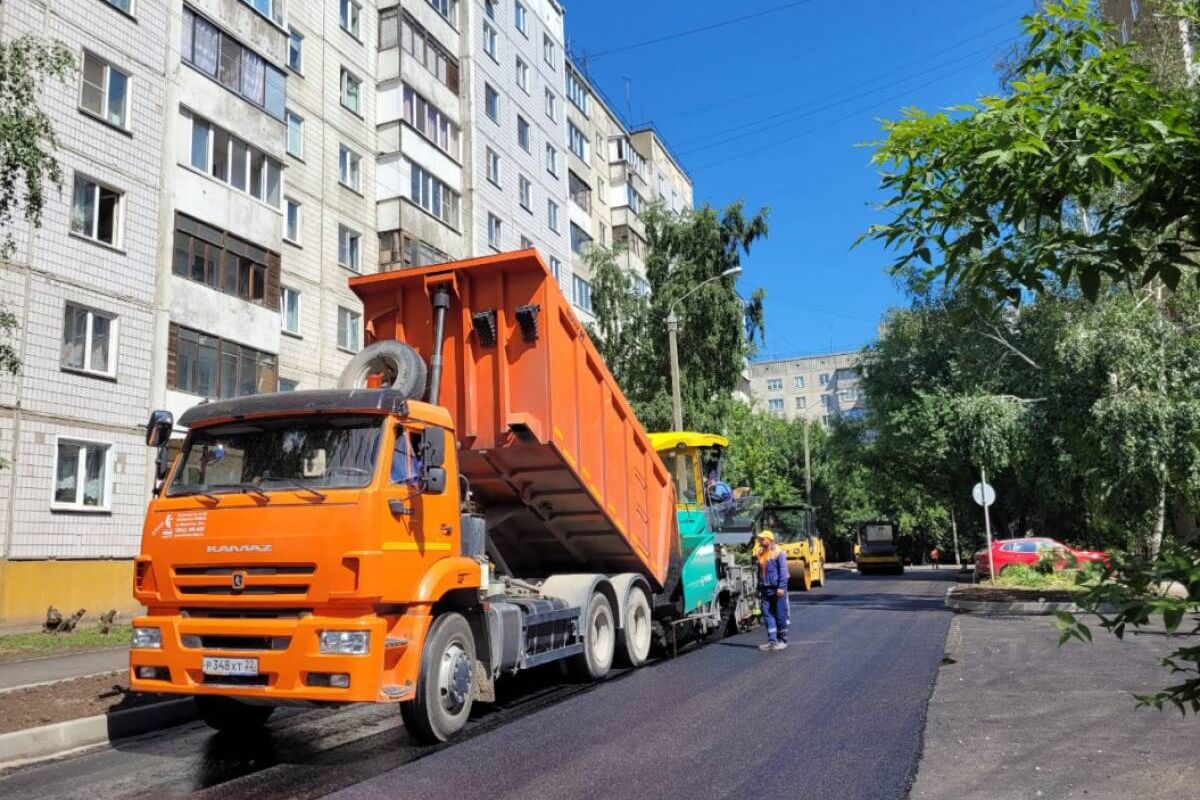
[878,533]
[273,455]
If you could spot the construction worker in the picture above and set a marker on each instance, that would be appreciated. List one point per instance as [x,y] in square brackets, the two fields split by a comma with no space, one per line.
[773,583]
[935,556]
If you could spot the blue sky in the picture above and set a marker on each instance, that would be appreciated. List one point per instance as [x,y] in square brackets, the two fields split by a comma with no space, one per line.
[770,110]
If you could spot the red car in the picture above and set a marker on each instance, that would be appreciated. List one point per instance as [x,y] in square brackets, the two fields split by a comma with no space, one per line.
[1007,552]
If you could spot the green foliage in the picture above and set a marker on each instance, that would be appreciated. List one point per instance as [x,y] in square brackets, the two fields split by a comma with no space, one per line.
[1019,576]
[20,646]
[1085,174]
[27,138]
[717,328]
[1144,594]
[766,454]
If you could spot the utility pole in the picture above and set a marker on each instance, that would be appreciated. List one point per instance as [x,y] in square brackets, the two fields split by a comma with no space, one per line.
[987,524]
[807,467]
[954,530]
[676,401]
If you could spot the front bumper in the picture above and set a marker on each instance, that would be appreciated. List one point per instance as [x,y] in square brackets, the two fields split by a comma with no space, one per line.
[282,673]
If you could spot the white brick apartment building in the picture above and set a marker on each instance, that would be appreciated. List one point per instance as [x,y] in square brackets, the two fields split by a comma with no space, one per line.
[816,387]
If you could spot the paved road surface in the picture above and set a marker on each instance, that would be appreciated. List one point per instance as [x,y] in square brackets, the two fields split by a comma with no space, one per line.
[837,717]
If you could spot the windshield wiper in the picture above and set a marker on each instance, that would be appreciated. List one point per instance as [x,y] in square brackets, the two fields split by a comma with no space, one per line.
[300,485]
[252,488]
[195,493]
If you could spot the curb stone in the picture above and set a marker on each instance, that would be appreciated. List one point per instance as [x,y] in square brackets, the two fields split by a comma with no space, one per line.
[1037,608]
[58,737]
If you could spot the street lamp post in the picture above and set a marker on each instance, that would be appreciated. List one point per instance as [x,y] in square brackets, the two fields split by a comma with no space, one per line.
[672,331]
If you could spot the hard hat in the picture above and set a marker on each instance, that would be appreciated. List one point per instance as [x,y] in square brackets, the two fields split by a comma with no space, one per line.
[766,535]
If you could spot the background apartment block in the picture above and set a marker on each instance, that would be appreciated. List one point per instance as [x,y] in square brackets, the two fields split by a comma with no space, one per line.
[809,387]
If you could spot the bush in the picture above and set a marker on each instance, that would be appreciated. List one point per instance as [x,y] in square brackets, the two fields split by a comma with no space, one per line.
[1019,576]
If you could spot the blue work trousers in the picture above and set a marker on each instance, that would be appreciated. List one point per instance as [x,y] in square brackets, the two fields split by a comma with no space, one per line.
[775,615]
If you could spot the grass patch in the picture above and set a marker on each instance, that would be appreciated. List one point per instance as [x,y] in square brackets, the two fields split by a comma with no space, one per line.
[1068,580]
[18,646]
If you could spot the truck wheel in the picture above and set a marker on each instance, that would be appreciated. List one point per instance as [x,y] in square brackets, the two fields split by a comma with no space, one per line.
[230,716]
[445,686]
[633,646]
[804,581]
[599,641]
[402,367]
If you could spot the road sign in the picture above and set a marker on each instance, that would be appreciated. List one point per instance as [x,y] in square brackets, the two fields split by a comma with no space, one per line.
[984,494]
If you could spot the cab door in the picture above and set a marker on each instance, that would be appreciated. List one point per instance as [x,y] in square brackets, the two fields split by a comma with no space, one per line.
[416,523]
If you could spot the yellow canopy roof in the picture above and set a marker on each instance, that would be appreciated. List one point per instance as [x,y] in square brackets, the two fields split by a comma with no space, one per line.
[673,439]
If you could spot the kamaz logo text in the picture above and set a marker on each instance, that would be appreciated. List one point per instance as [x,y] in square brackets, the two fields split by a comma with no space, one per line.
[239,548]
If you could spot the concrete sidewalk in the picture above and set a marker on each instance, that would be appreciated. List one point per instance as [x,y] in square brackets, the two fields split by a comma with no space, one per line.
[14,674]
[1016,717]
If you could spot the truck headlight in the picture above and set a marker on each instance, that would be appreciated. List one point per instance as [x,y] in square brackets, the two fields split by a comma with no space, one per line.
[345,643]
[146,639]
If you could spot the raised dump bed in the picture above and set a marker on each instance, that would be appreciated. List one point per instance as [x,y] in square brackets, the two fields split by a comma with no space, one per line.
[567,476]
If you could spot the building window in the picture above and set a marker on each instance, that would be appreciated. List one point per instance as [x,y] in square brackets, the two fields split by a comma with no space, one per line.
[551,160]
[271,9]
[489,41]
[349,168]
[551,106]
[641,287]
[349,14]
[212,367]
[601,191]
[581,193]
[823,379]
[286,385]
[349,325]
[603,235]
[580,240]
[124,5]
[775,405]
[223,262]
[633,199]
[398,247]
[577,142]
[526,243]
[295,51]
[289,310]
[104,92]
[827,401]
[82,476]
[798,382]
[556,269]
[801,403]
[493,231]
[581,292]
[522,75]
[349,248]
[351,92]
[448,9]
[577,93]
[520,19]
[774,384]
[96,211]
[491,102]
[418,43]
[523,133]
[525,193]
[89,341]
[292,233]
[433,195]
[227,158]
[431,123]
[389,28]
[295,135]
[493,166]
[549,52]
[552,215]
[239,69]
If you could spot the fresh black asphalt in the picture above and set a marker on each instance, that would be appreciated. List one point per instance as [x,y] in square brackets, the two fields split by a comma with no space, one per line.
[837,716]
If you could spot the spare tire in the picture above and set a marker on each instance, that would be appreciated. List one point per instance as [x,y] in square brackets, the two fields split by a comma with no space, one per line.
[403,369]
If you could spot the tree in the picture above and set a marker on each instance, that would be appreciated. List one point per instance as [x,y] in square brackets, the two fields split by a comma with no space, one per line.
[718,328]
[1085,174]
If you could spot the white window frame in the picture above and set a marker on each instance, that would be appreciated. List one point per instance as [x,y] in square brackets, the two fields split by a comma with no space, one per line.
[552,210]
[495,231]
[119,214]
[351,316]
[774,384]
[491,41]
[521,18]
[80,475]
[492,160]
[490,91]
[283,310]
[449,13]
[523,125]
[113,334]
[354,243]
[130,12]
[551,105]
[288,202]
[109,68]
[522,70]
[525,193]
[350,18]
[581,290]
[296,38]
[348,77]
[798,382]
[549,51]
[349,168]
[775,405]
[801,403]
[551,159]
[290,116]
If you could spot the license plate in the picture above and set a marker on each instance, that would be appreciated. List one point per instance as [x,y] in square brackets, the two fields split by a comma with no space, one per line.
[212,665]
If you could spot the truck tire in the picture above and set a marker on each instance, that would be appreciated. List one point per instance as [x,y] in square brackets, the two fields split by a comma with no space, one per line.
[805,580]
[445,684]
[402,367]
[599,641]
[230,716]
[633,645]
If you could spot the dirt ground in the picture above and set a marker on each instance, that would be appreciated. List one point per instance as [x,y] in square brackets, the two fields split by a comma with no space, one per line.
[74,699]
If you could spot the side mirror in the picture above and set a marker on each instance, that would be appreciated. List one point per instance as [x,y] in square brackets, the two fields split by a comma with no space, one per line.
[159,428]
[433,447]
[435,480]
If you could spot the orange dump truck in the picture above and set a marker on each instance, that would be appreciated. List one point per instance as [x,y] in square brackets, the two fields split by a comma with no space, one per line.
[476,499]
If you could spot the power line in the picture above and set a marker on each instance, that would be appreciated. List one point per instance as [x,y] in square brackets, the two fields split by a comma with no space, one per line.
[694,31]
[825,126]
[791,115]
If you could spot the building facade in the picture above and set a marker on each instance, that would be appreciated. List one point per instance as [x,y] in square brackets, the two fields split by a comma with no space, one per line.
[816,388]
[228,166]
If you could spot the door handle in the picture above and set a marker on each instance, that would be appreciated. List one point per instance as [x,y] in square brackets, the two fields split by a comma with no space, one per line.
[399,509]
